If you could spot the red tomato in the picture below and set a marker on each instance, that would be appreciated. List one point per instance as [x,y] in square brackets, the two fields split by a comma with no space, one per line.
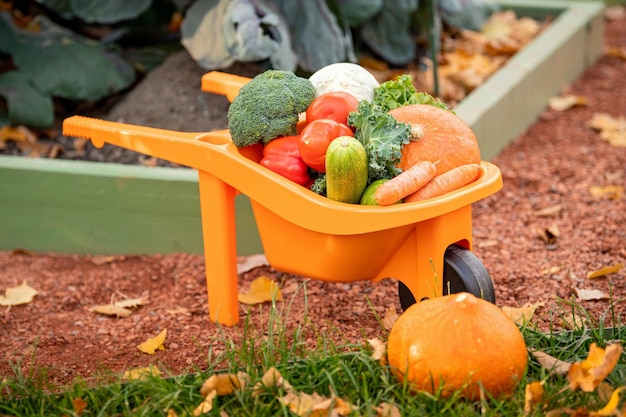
[315,138]
[335,105]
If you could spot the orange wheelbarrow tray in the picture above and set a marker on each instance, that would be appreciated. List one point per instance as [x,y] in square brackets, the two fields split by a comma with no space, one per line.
[302,232]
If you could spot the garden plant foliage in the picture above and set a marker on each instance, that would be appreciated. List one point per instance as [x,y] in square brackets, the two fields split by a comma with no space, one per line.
[75,50]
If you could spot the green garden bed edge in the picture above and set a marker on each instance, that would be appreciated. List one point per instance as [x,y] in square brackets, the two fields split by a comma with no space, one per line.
[96,208]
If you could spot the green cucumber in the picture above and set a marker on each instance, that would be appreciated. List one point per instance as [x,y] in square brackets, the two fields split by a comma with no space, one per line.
[367,198]
[346,170]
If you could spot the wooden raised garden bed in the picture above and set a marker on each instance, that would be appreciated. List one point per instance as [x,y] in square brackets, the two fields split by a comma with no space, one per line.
[91,207]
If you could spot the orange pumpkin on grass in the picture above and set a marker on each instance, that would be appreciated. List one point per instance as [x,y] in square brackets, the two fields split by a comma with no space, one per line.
[437,135]
[457,343]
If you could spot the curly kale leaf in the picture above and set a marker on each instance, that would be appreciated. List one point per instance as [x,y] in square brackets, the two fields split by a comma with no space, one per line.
[319,185]
[401,91]
[383,138]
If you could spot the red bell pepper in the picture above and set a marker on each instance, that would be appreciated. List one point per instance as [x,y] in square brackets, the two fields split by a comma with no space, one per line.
[282,156]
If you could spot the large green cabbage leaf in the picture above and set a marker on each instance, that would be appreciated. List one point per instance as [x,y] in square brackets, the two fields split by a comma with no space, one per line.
[318,37]
[217,33]
[98,11]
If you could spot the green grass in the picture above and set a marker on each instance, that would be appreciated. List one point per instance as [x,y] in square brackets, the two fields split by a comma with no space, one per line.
[346,370]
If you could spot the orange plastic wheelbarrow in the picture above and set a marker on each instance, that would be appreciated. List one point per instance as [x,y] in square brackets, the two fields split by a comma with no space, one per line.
[426,246]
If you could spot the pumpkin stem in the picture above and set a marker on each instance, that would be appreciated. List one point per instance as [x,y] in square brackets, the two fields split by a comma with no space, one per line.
[416,132]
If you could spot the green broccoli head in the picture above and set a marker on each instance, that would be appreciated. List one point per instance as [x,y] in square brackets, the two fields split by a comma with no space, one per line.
[268,106]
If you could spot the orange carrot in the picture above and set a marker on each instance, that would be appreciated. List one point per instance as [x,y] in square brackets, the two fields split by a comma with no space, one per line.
[446,182]
[405,183]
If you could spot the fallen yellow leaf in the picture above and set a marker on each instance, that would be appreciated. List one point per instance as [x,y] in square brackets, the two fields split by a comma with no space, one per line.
[605,271]
[588,295]
[305,405]
[551,363]
[272,378]
[616,138]
[612,192]
[223,384]
[79,406]
[142,373]
[119,308]
[151,345]
[552,211]
[611,406]
[523,314]
[566,102]
[389,318]
[612,129]
[378,348]
[112,310]
[261,290]
[589,373]
[387,410]
[533,396]
[604,121]
[206,405]
[22,294]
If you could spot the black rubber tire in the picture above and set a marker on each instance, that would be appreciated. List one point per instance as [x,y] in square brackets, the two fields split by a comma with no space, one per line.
[462,272]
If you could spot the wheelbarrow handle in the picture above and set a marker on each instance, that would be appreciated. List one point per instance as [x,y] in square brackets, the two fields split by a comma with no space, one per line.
[173,146]
[223,83]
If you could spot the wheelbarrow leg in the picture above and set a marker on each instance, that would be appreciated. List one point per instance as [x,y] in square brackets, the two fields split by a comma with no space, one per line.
[217,205]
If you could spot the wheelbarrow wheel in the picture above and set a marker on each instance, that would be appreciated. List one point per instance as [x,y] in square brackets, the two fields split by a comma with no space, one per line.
[462,272]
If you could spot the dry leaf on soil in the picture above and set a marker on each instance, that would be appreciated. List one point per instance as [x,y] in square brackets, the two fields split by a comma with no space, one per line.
[523,314]
[79,406]
[16,134]
[616,12]
[389,318]
[22,294]
[378,348]
[120,308]
[533,396]
[106,259]
[552,270]
[607,270]
[206,405]
[573,321]
[224,384]
[551,363]
[612,192]
[261,290]
[566,102]
[153,344]
[305,405]
[549,234]
[142,373]
[112,310]
[612,129]
[248,263]
[610,409]
[272,378]
[387,410]
[589,373]
[589,295]
[552,211]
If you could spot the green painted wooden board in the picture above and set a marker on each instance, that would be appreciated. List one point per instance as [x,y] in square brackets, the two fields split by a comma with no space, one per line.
[86,207]
[91,207]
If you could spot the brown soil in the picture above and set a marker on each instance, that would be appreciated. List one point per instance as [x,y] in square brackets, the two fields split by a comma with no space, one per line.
[553,163]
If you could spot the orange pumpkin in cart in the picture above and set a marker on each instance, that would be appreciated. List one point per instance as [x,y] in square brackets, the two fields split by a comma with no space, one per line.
[438,136]
[457,343]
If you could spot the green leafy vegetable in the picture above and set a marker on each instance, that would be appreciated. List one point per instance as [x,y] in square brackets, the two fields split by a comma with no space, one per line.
[319,185]
[401,91]
[383,138]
